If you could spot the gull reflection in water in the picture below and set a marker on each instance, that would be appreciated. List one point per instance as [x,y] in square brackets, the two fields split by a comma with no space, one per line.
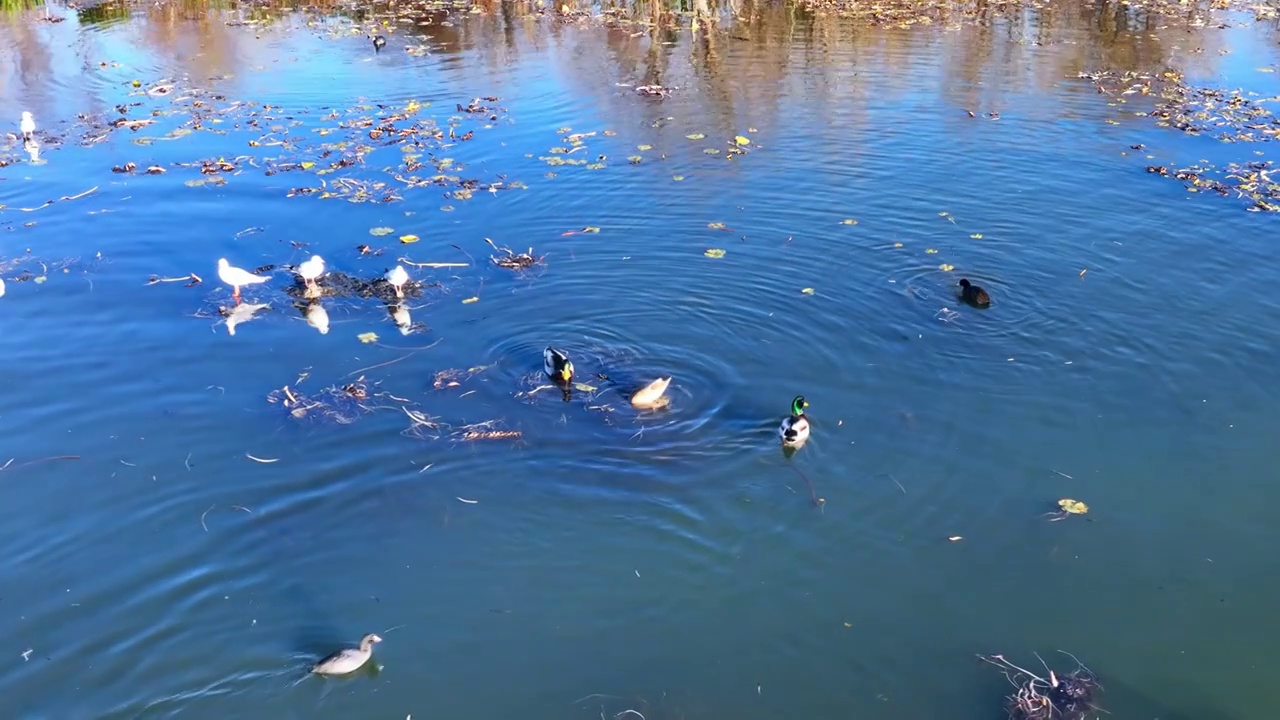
[242,313]
[400,315]
[316,316]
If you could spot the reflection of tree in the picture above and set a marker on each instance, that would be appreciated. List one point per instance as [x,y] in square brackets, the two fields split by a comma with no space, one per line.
[743,59]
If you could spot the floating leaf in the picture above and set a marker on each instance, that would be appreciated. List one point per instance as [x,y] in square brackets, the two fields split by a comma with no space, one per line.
[634,159]
[695,136]
[931,251]
[470,300]
[1073,507]
[590,229]
[583,387]
[976,236]
[714,253]
[712,151]
[41,279]
[368,337]
[945,267]
[307,164]
[741,140]
[406,239]
[849,221]
[136,83]
[677,178]
[380,231]
[897,244]
[716,225]
[807,291]
[644,148]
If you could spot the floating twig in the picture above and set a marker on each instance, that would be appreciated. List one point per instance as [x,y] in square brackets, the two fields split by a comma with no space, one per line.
[64,197]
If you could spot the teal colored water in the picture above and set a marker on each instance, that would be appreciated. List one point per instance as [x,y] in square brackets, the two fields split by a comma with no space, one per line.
[672,562]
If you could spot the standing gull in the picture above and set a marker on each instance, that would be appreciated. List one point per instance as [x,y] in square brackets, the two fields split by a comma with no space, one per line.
[28,126]
[235,277]
[311,270]
[398,277]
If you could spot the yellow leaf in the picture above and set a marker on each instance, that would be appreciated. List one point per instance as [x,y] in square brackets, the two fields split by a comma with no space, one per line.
[716,225]
[1073,507]
[470,300]
[406,239]
[307,164]
[807,291]
[137,83]
[976,236]
[741,140]
[590,229]
[849,221]
[368,337]
[715,253]
[931,251]
[695,136]
[897,244]
[944,267]
[644,148]
[677,178]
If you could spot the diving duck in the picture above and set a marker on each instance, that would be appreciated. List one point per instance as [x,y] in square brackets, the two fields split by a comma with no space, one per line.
[558,365]
[378,43]
[795,429]
[347,660]
[973,294]
[653,395]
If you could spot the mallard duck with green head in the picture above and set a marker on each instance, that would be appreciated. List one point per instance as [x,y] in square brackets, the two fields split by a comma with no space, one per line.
[795,428]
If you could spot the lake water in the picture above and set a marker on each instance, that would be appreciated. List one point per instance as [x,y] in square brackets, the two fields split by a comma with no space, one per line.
[673,563]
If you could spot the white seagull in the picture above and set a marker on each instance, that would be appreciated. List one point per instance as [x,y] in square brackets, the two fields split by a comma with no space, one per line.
[235,277]
[28,125]
[312,269]
[397,277]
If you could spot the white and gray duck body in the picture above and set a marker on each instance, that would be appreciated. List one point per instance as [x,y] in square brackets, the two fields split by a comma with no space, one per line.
[347,660]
